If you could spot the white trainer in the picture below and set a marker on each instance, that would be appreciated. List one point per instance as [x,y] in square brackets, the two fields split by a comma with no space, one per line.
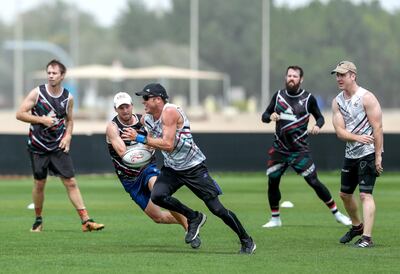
[341,218]
[273,222]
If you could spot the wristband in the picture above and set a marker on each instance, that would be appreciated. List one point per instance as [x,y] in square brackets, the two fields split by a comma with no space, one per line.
[141,139]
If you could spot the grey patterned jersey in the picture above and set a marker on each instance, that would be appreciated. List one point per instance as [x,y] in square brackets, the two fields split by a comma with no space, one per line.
[356,122]
[186,153]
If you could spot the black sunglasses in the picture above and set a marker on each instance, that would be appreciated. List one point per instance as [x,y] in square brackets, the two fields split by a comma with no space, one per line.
[147,97]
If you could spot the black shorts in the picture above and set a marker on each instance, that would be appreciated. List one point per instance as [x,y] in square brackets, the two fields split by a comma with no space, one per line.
[58,163]
[361,171]
[197,179]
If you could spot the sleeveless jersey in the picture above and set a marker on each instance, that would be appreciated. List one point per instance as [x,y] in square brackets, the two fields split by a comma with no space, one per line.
[356,122]
[186,153]
[123,171]
[42,138]
[291,130]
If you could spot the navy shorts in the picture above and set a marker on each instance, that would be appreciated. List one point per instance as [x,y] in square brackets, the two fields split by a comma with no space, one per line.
[57,162]
[359,172]
[279,161]
[138,189]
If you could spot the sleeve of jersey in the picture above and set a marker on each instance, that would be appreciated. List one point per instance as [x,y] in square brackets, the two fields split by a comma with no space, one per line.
[315,111]
[265,118]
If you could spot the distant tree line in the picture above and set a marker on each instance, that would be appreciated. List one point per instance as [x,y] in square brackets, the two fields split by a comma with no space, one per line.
[315,37]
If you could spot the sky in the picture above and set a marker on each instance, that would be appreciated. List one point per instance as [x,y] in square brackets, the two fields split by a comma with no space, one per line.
[106,11]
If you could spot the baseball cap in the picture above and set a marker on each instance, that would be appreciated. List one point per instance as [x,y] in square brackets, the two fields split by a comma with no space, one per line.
[122,98]
[153,89]
[345,66]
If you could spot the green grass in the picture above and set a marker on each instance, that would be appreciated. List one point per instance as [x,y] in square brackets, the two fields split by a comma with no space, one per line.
[131,243]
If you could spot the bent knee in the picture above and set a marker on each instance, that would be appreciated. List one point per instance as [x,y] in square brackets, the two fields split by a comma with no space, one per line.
[157,198]
[219,212]
[157,219]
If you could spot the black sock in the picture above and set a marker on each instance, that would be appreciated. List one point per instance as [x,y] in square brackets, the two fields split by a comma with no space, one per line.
[366,238]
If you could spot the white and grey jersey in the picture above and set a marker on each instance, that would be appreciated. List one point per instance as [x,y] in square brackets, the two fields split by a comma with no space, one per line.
[186,153]
[356,122]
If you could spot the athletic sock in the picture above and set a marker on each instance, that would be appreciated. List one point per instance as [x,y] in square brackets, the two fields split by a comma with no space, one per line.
[83,214]
[358,227]
[275,213]
[368,238]
[332,206]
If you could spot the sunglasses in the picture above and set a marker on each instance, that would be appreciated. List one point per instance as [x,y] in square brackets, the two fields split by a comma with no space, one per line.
[147,97]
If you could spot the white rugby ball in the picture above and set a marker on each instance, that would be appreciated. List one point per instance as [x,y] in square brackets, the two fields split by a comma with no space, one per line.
[137,156]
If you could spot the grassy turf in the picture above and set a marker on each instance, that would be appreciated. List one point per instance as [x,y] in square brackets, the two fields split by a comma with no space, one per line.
[131,243]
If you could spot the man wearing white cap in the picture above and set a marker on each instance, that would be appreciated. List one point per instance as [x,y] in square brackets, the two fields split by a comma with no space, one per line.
[184,165]
[137,181]
[357,119]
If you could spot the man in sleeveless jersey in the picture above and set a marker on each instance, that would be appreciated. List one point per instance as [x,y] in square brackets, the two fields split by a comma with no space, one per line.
[48,109]
[138,182]
[357,119]
[168,130]
[290,109]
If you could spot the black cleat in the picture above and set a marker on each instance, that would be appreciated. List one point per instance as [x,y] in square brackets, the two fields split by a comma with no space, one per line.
[194,227]
[248,246]
[364,242]
[37,225]
[353,232]
[196,243]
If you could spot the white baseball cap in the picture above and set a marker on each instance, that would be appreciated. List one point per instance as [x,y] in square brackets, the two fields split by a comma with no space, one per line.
[122,98]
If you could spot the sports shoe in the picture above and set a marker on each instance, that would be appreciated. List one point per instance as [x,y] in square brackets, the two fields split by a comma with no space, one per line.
[248,246]
[194,227]
[364,242]
[353,232]
[90,225]
[37,225]
[341,218]
[196,242]
[273,222]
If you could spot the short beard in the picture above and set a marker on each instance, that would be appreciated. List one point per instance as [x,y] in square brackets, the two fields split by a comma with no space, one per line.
[292,89]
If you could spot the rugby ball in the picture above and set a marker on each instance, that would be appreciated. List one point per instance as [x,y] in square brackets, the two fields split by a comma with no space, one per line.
[137,156]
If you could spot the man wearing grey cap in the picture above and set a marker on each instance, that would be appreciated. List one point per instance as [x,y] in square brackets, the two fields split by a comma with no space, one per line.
[357,119]
[168,129]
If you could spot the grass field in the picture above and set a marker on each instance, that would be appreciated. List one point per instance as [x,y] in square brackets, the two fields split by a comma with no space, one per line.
[131,243]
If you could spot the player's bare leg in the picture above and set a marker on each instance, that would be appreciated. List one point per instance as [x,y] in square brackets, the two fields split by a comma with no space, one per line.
[38,200]
[38,194]
[75,197]
[368,205]
[74,193]
[159,216]
[351,207]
